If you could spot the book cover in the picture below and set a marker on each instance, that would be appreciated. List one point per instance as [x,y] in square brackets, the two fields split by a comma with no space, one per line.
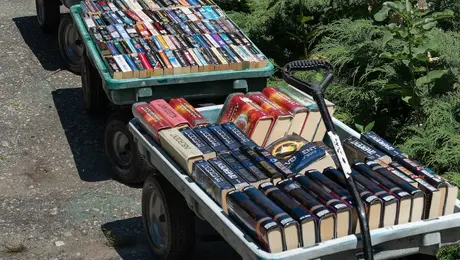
[196,140]
[228,173]
[287,173]
[290,228]
[274,175]
[358,151]
[418,197]
[282,118]
[374,206]
[187,111]
[238,134]
[248,116]
[287,146]
[151,121]
[180,148]
[381,144]
[212,140]
[298,111]
[168,113]
[309,234]
[329,150]
[230,160]
[309,157]
[258,224]
[341,209]
[255,170]
[210,180]
[324,217]
[405,199]
[224,137]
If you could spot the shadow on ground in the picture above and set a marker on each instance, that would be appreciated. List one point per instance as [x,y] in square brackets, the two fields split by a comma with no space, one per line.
[44,46]
[85,135]
[128,238]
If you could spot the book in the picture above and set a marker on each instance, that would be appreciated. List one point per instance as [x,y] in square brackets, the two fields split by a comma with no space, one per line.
[281,118]
[381,144]
[230,160]
[398,173]
[151,121]
[432,195]
[255,170]
[418,197]
[206,134]
[315,129]
[258,224]
[161,107]
[228,173]
[405,199]
[287,173]
[196,140]
[308,234]
[238,134]
[180,148]
[329,150]
[298,111]
[341,209]
[248,116]
[261,162]
[358,151]
[374,206]
[325,219]
[290,228]
[224,137]
[287,146]
[187,111]
[210,180]
[309,157]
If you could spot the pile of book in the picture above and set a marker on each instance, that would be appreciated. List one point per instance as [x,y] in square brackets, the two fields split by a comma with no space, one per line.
[291,193]
[145,38]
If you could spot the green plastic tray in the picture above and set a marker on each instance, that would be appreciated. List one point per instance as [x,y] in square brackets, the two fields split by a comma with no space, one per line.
[215,84]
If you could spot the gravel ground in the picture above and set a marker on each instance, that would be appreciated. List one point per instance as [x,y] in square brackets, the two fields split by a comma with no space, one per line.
[57,199]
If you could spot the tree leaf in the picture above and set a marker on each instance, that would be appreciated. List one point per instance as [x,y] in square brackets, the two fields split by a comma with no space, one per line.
[391,56]
[409,6]
[419,69]
[442,15]
[430,25]
[430,77]
[406,99]
[306,19]
[369,127]
[388,36]
[391,86]
[359,127]
[382,15]
[403,33]
[406,62]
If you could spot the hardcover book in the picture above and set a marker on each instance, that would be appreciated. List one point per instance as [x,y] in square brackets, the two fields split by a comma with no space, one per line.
[248,116]
[314,130]
[212,140]
[381,144]
[228,173]
[224,137]
[287,146]
[374,206]
[298,111]
[341,209]
[168,113]
[287,173]
[255,170]
[309,157]
[282,118]
[261,162]
[290,228]
[358,151]
[308,235]
[238,134]
[324,217]
[329,150]
[418,197]
[188,112]
[150,120]
[192,136]
[230,160]
[210,180]
[405,199]
[180,148]
[398,173]
[258,224]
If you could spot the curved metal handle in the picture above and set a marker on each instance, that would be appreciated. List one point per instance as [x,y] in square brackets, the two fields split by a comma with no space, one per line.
[305,65]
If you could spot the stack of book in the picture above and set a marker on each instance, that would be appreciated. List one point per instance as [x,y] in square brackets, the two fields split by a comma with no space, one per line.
[291,193]
[145,38]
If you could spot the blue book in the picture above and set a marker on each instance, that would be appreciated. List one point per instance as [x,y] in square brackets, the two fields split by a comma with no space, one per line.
[224,136]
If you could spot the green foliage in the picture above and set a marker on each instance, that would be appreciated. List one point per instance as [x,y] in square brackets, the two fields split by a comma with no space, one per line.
[449,253]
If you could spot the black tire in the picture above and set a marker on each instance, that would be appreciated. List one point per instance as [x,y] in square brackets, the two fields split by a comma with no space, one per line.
[179,220]
[94,98]
[48,14]
[129,166]
[70,44]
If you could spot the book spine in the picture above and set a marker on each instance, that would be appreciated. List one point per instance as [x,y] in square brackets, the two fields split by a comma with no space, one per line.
[272,108]
[395,178]
[250,166]
[379,192]
[228,173]
[224,137]
[230,160]
[198,142]
[356,150]
[238,134]
[381,144]
[307,155]
[417,169]
[329,185]
[268,168]
[167,112]
[283,100]
[278,165]
[151,119]
[212,140]
[188,112]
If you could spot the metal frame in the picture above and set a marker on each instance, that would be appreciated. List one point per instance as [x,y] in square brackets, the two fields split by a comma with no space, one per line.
[425,236]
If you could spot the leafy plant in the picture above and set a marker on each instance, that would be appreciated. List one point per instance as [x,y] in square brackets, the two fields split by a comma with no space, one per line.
[410,26]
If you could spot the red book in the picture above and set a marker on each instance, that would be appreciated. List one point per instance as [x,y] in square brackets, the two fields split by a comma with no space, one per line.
[151,121]
[298,111]
[133,16]
[281,118]
[248,116]
[188,112]
[170,115]
[145,62]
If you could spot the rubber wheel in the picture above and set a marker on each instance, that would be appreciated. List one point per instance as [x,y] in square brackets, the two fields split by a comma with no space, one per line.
[129,166]
[168,222]
[48,14]
[70,44]
[94,98]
